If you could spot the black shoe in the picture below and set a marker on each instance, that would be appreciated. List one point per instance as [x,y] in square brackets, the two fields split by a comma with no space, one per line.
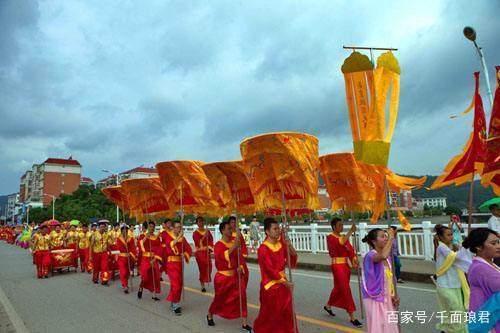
[96,282]
[125,290]
[139,294]
[247,328]
[210,321]
[330,312]
[203,290]
[178,311]
[356,323]
[104,283]
[155,298]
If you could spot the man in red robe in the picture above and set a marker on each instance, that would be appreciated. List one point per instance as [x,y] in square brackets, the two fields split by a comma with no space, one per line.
[144,231]
[126,245]
[276,313]
[150,248]
[230,301]
[204,245]
[343,258]
[99,255]
[41,252]
[177,248]
[243,249]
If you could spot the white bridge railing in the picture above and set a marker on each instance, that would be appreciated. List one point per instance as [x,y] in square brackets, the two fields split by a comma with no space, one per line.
[416,244]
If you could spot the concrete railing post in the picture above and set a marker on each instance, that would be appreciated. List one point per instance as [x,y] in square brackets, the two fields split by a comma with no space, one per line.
[314,238]
[362,231]
[427,241]
[217,235]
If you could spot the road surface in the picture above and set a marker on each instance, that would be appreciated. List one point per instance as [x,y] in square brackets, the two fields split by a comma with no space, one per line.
[70,302]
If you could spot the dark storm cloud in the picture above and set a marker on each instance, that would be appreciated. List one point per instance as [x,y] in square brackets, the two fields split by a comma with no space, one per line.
[120,84]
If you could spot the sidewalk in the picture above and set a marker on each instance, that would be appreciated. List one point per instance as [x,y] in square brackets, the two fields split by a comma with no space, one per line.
[415,270]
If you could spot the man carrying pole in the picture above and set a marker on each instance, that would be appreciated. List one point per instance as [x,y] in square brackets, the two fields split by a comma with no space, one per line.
[276,301]
[230,301]
[204,244]
[150,248]
[243,252]
[177,248]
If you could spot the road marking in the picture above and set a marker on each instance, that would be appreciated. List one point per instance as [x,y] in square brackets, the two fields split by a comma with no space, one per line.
[12,314]
[352,280]
[305,319]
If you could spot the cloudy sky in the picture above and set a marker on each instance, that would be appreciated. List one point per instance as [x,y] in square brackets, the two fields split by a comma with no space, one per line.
[117,84]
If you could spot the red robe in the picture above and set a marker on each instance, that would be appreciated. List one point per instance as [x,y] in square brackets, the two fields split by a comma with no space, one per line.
[10,236]
[139,251]
[243,256]
[204,244]
[175,267]
[150,248]
[126,258]
[341,296]
[226,303]
[166,238]
[276,303]
[99,248]
[41,254]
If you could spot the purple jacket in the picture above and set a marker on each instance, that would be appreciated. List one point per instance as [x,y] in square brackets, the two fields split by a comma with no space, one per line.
[373,278]
[484,281]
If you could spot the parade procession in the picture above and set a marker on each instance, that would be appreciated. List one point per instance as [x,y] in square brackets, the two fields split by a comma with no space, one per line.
[288,213]
[278,175]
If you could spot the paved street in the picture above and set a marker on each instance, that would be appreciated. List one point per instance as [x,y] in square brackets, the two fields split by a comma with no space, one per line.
[72,303]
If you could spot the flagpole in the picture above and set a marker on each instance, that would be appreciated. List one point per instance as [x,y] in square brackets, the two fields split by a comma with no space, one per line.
[471,202]
[356,247]
[393,269]
[288,258]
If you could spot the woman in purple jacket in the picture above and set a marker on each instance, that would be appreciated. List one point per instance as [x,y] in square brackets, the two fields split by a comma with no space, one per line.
[484,275]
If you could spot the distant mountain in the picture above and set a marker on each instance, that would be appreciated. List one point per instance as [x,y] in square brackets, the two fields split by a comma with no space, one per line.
[456,195]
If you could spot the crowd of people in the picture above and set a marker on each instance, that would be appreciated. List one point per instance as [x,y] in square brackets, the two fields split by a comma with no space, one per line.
[467,278]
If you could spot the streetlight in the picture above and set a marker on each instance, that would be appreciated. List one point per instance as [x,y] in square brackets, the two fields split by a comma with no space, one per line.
[53,203]
[117,183]
[470,34]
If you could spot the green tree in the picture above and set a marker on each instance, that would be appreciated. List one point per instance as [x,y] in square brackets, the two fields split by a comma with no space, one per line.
[449,210]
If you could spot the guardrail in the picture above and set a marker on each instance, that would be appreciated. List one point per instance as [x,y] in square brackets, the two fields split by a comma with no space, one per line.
[415,244]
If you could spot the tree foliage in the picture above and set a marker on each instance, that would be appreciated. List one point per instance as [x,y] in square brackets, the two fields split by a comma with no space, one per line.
[83,204]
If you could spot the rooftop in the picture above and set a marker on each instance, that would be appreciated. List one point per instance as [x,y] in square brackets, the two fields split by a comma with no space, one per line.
[61,161]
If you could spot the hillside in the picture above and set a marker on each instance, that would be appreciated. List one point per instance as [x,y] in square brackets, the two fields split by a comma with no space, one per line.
[456,195]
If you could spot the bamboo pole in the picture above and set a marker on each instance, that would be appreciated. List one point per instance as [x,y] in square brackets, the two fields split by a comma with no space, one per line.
[471,203]
[356,247]
[288,259]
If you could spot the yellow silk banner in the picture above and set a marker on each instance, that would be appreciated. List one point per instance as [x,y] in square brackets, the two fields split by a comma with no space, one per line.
[372,97]
[221,192]
[145,196]
[282,164]
[117,195]
[185,182]
[241,195]
[359,187]
[404,221]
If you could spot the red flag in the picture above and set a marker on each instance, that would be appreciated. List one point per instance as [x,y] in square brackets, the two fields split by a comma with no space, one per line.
[461,167]
[491,171]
